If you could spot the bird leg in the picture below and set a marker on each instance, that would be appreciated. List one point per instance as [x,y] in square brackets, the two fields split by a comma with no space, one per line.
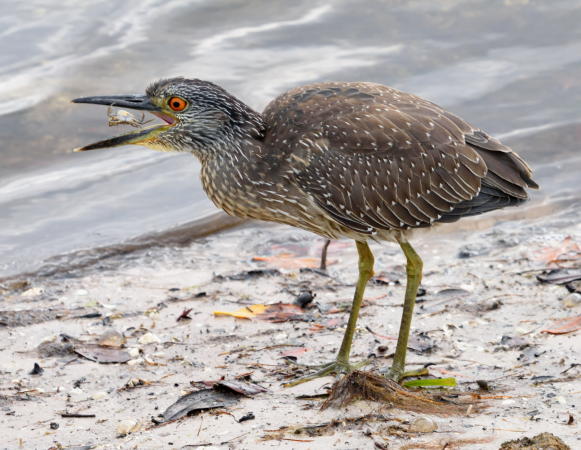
[341,364]
[323,265]
[414,277]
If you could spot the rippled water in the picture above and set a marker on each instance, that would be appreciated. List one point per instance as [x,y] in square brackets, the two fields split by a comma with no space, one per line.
[512,67]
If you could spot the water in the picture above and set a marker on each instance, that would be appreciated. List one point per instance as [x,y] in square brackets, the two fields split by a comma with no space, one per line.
[512,67]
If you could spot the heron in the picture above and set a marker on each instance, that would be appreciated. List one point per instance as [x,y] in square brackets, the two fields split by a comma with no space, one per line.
[355,160]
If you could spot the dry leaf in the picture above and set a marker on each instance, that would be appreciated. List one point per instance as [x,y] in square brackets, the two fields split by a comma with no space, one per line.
[289,261]
[196,401]
[241,387]
[102,355]
[560,276]
[277,312]
[554,254]
[248,312]
[294,352]
[281,312]
[568,326]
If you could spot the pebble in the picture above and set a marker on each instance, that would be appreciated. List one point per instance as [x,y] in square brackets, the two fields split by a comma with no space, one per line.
[149,338]
[135,362]
[423,425]
[112,339]
[133,352]
[32,292]
[99,395]
[572,300]
[77,395]
[127,426]
[48,339]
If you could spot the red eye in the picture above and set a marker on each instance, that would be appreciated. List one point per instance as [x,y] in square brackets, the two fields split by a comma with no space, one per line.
[177,103]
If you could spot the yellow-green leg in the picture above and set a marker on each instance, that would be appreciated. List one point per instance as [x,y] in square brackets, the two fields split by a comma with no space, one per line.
[414,277]
[341,364]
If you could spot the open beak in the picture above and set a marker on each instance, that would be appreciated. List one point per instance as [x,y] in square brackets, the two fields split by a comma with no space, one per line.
[144,136]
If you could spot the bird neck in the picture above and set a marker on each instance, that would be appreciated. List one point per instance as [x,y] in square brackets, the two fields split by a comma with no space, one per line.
[237,135]
[236,177]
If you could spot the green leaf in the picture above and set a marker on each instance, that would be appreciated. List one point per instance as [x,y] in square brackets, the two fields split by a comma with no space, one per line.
[431,382]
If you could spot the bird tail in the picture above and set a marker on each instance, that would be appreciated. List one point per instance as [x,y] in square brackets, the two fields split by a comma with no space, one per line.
[505,183]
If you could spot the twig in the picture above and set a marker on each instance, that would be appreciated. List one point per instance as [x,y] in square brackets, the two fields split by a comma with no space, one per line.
[201,423]
[77,415]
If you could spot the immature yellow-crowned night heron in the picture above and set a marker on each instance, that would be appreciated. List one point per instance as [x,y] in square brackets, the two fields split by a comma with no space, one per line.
[343,160]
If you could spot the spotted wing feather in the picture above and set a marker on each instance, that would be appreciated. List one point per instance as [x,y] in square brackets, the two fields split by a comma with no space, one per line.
[374,158]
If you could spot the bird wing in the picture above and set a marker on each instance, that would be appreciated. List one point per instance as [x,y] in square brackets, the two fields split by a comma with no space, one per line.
[376,158]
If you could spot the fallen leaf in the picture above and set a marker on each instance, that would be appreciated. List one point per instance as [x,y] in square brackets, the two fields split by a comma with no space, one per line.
[277,312]
[241,387]
[248,312]
[390,338]
[185,315]
[197,401]
[102,355]
[568,326]
[289,261]
[281,312]
[294,352]
[431,382]
[555,254]
[560,276]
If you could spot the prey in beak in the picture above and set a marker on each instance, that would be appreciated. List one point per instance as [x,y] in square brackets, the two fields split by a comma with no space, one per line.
[144,136]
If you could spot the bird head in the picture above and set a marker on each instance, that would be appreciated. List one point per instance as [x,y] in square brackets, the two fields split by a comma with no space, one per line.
[200,117]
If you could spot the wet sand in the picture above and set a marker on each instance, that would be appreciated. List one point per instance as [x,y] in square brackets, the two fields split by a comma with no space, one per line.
[481,319]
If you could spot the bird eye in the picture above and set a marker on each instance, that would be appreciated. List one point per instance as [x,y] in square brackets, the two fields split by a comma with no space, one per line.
[177,103]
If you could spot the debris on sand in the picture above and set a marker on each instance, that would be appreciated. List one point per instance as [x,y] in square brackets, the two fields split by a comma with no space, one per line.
[560,276]
[197,401]
[276,312]
[423,425]
[543,441]
[359,385]
[102,355]
[304,298]
[221,394]
[325,428]
[127,426]
[289,261]
[241,387]
[36,369]
[108,348]
[112,339]
[566,326]
[57,346]
[248,275]
[513,380]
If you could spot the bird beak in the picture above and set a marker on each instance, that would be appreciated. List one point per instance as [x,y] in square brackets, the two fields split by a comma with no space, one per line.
[144,136]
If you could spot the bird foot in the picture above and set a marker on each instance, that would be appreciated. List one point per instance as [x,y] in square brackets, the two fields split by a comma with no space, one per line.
[336,367]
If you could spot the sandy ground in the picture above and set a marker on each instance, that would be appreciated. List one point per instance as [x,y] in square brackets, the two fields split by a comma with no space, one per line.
[481,318]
